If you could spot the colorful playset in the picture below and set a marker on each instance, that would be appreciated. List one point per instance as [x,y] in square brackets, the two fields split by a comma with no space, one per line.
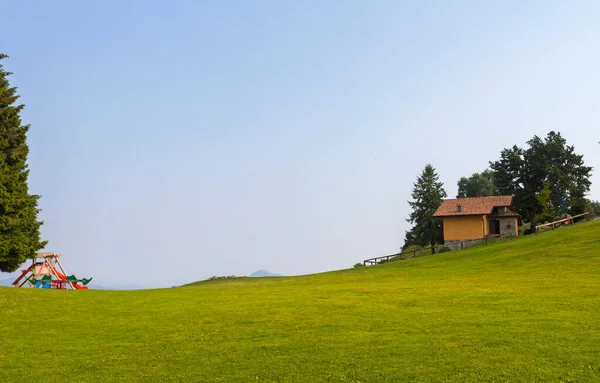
[46,272]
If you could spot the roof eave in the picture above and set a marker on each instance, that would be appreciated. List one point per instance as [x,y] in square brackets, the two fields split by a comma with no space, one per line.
[459,215]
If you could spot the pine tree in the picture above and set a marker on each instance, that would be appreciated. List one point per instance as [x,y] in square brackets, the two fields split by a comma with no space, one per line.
[19,226]
[428,194]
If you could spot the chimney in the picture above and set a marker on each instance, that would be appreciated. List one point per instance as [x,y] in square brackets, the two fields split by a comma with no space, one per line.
[459,207]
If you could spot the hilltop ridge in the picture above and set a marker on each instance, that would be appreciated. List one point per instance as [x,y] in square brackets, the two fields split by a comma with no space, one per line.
[522,310]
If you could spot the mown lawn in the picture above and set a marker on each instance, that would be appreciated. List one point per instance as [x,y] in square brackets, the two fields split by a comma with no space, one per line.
[526,310]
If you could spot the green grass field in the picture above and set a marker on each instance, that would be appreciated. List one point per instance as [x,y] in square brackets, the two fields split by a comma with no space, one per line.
[526,310]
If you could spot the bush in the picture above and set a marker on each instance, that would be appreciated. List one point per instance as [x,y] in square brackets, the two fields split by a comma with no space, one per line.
[593,207]
[215,278]
[525,228]
[357,265]
[444,250]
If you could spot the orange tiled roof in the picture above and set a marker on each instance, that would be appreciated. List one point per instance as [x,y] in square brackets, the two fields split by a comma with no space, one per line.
[472,206]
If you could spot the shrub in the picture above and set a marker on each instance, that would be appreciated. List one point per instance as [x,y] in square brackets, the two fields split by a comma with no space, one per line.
[214,278]
[357,265]
[525,228]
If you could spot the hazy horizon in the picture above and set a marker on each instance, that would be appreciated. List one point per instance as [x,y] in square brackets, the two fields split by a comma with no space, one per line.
[174,142]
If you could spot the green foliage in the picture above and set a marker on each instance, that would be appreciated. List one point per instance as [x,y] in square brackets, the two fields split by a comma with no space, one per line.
[478,185]
[357,265]
[523,172]
[19,227]
[428,194]
[593,207]
[524,228]
[548,213]
[526,310]
[444,250]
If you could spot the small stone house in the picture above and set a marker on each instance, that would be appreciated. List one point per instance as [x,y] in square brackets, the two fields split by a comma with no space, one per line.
[475,218]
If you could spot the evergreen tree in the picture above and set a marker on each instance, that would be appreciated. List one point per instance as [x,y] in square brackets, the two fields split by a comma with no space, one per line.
[427,194]
[19,226]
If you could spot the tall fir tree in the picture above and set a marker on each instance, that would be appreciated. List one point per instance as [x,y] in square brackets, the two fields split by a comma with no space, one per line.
[427,194]
[19,226]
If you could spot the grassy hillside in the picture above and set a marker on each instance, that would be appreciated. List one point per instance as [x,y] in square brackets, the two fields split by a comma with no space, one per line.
[526,310]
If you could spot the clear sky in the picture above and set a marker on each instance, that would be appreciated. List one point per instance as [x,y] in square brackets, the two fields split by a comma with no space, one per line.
[172,141]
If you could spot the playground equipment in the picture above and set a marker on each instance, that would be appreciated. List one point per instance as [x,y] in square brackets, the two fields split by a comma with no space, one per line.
[47,272]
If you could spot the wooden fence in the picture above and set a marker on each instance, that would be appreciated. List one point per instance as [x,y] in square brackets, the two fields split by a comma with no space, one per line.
[567,221]
[409,254]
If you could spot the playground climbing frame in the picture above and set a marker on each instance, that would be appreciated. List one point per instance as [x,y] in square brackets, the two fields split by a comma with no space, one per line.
[47,272]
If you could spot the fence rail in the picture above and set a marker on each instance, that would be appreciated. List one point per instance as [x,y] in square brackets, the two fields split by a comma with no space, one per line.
[570,220]
[410,254]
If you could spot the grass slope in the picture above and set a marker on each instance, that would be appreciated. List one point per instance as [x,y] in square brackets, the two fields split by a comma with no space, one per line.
[521,311]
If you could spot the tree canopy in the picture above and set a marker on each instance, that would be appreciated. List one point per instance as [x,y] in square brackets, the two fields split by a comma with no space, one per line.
[19,227]
[523,173]
[427,194]
[478,185]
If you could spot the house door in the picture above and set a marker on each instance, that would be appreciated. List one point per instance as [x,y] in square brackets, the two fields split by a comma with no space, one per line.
[494,227]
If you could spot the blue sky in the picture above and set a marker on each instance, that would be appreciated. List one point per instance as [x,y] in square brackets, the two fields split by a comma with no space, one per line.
[172,141]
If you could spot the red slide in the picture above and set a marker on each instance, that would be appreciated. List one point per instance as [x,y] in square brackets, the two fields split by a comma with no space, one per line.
[16,282]
[64,278]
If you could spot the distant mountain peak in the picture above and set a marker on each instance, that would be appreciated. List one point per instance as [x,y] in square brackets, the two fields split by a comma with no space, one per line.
[264,273]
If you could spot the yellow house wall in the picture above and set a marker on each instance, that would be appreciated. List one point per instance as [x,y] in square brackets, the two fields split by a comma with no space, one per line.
[465,227]
[486,229]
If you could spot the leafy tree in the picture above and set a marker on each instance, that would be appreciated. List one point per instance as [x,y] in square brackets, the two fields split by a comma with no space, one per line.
[548,212]
[478,185]
[19,227]
[427,194]
[523,172]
